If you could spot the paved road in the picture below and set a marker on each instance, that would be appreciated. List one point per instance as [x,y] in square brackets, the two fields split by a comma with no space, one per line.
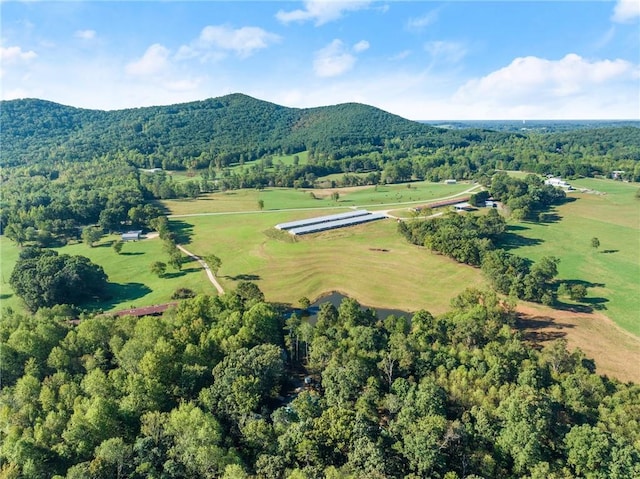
[212,278]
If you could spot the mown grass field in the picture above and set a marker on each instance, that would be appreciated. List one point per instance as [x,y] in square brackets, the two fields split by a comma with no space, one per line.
[277,160]
[611,212]
[287,198]
[371,263]
[131,283]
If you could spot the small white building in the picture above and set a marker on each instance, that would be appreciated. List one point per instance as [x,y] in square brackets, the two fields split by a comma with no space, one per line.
[131,235]
[557,182]
[465,205]
[450,182]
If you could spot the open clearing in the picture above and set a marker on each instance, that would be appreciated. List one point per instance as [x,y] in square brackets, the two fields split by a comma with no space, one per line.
[612,272]
[131,283]
[617,353]
[373,264]
[288,198]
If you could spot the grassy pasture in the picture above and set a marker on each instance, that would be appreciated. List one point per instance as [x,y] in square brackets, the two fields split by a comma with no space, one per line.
[131,283]
[277,160]
[276,199]
[8,256]
[370,262]
[612,272]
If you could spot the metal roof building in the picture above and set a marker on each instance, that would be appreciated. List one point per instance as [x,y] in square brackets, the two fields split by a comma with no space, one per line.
[321,219]
[340,223]
[131,235]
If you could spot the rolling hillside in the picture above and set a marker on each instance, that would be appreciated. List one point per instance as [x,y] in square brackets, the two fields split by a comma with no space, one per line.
[219,129]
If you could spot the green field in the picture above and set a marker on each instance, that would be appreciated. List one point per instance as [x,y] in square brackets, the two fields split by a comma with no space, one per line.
[131,283]
[610,212]
[370,262]
[276,199]
[277,160]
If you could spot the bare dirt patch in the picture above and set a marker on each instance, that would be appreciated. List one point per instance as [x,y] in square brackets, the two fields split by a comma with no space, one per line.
[616,352]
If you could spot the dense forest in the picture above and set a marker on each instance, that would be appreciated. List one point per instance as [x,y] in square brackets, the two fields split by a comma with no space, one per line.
[214,388]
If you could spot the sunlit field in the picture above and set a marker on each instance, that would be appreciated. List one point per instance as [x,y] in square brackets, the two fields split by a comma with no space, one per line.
[274,199]
[611,213]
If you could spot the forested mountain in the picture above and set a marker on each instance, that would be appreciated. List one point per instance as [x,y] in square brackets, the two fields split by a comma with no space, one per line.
[220,129]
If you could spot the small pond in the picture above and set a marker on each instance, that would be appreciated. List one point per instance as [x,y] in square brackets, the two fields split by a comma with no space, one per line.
[336,298]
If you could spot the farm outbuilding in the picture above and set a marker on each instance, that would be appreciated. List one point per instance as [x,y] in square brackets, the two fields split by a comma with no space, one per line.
[131,235]
[323,223]
[463,206]
[557,182]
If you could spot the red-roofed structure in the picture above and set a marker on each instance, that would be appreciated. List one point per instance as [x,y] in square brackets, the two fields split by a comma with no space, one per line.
[155,310]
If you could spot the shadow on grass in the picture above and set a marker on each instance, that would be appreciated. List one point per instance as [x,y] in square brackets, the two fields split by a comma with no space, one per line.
[163,208]
[117,293]
[549,218]
[517,228]
[244,277]
[596,303]
[5,296]
[609,251]
[585,306]
[182,230]
[509,241]
[586,284]
[540,329]
[174,274]
[182,272]
[131,253]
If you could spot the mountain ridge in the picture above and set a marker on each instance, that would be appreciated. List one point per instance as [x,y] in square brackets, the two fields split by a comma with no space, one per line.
[234,124]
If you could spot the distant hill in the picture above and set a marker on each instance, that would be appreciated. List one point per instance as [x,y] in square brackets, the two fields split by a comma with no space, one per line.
[218,129]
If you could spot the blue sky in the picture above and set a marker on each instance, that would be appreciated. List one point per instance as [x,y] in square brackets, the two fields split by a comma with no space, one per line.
[423,60]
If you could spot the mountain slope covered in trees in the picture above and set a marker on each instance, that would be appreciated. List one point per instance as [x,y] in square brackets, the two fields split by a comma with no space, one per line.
[218,129]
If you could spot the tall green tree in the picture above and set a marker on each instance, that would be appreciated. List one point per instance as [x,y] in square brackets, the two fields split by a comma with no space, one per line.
[46,278]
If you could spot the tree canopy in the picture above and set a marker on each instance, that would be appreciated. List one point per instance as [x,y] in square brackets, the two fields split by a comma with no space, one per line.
[42,277]
[214,388]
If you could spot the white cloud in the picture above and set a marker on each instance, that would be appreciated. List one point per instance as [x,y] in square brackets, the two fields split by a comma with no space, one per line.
[449,52]
[333,60]
[424,21]
[154,61]
[401,55]
[626,11]
[14,54]
[563,88]
[322,11]
[361,46]
[85,34]
[215,41]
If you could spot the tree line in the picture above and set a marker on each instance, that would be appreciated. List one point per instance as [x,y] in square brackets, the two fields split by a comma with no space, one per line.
[213,388]
[476,239]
